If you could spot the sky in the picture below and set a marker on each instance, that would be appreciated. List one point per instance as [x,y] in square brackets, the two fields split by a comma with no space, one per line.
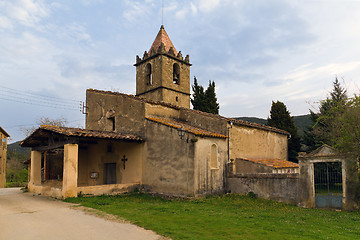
[257,52]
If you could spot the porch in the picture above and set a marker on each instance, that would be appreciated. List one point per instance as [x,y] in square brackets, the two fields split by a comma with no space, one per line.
[66,162]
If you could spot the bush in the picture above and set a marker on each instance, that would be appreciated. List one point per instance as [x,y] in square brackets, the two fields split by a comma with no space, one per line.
[16,174]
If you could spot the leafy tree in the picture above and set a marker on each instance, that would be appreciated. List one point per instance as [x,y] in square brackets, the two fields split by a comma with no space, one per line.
[280,118]
[323,120]
[205,101]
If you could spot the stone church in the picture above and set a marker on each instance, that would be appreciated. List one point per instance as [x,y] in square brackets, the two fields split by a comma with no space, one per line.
[152,140]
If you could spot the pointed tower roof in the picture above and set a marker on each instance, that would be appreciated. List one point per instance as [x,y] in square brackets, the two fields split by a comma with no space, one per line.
[162,37]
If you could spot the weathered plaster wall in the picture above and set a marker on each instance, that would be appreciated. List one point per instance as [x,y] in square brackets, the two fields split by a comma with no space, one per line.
[277,187]
[129,114]
[93,159]
[3,149]
[247,142]
[107,189]
[70,174]
[208,179]
[168,160]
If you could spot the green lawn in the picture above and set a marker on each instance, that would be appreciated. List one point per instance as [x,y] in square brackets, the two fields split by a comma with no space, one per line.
[227,217]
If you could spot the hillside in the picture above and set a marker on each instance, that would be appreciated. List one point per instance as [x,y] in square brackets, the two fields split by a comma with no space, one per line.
[21,154]
[302,122]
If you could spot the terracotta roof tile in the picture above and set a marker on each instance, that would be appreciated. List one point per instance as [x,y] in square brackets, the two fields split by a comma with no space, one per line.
[188,128]
[87,133]
[162,37]
[275,163]
[43,132]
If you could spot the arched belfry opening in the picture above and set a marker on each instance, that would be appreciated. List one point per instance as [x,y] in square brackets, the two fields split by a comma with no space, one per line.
[163,74]
[176,73]
[148,73]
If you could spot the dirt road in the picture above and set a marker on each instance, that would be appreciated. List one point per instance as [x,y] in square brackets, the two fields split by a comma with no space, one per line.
[24,216]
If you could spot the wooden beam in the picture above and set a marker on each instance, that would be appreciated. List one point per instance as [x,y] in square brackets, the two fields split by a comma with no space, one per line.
[55,145]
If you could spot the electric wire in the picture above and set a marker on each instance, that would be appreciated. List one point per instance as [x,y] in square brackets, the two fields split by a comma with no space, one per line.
[20,96]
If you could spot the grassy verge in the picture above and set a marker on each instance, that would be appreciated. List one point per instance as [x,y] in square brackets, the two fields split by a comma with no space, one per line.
[227,217]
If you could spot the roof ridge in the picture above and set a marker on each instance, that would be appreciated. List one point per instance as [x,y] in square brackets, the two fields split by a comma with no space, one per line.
[187,127]
[162,38]
[272,162]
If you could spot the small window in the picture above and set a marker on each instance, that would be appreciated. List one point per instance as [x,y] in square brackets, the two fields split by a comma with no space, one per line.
[214,157]
[176,73]
[177,99]
[148,74]
[112,122]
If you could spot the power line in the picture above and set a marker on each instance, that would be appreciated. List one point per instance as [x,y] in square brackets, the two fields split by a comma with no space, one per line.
[37,101]
[37,95]
[38,104]
[20,96]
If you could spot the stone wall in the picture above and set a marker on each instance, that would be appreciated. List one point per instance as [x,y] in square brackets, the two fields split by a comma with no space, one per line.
[162,80]
[243,166]
[128,113]
[202,120]
[277,187]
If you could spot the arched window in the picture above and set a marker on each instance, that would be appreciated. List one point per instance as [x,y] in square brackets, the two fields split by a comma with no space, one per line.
[176,73]
[214,157]
[148,74]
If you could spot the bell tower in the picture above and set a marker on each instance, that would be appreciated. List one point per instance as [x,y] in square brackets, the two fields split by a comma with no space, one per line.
[162,74]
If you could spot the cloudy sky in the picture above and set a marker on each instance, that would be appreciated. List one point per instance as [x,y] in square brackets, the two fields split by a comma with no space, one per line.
[51,51]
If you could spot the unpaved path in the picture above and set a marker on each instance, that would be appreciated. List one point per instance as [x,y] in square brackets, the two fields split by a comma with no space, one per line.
[25,216]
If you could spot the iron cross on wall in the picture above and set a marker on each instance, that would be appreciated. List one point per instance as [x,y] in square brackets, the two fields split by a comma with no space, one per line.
[124,159]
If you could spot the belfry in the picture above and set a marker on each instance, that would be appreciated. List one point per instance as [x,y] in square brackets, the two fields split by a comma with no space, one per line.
[162,74]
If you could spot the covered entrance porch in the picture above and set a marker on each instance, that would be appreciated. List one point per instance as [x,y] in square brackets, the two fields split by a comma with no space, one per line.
[66,162]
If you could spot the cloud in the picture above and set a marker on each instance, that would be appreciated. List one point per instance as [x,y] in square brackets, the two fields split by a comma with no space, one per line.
[75,32]
[25,12]
[135,10]
[207,5]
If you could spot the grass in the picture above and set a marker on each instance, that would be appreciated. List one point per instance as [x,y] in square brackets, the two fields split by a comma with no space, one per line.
[227,217]
[15,184]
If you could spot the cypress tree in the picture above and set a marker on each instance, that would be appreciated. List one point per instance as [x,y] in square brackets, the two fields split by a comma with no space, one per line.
[211,100]
[204,101]
[280,118]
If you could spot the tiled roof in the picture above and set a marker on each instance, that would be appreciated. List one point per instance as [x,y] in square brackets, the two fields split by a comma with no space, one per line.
[187,128]
[235,121]
[256,125]
[275,163]
[43,133]
[162,37]
[80,132]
